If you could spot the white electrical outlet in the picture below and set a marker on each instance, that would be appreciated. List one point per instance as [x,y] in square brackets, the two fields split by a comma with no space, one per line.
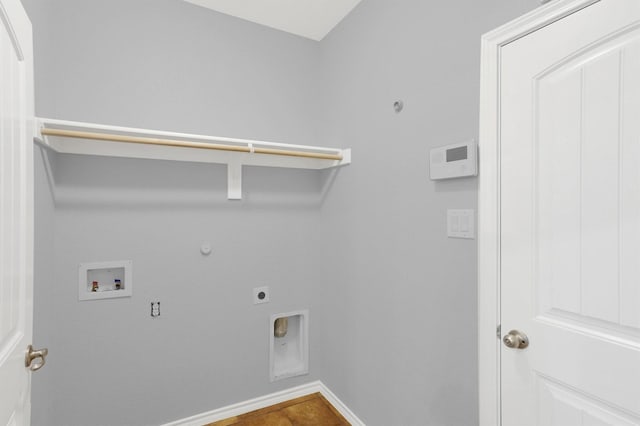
[260,295]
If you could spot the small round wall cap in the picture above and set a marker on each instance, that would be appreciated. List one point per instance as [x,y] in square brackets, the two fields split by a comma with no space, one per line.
[205,248]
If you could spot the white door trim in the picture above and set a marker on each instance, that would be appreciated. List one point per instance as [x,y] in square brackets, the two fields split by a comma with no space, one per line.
[489,197]
[16,262]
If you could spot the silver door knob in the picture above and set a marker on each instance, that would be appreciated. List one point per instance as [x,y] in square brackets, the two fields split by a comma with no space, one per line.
[515,339]
[31,355]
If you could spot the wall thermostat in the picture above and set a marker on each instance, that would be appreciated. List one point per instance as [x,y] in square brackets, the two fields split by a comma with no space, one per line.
[454,161]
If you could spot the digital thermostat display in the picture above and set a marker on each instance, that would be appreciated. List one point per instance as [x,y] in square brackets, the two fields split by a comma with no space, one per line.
[456,154]
[454,161]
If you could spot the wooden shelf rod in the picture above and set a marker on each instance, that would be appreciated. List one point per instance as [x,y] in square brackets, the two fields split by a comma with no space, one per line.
[186,144]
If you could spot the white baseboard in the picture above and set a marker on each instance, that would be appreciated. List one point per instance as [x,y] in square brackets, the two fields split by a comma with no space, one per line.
[339,405]
[266,401]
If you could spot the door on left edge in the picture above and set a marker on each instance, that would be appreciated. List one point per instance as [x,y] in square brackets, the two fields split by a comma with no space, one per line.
[16,212]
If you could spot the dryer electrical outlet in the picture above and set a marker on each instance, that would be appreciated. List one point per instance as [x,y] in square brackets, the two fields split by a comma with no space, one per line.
[260,295]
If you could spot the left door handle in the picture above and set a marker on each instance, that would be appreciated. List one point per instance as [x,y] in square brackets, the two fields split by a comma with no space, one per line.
[32,355]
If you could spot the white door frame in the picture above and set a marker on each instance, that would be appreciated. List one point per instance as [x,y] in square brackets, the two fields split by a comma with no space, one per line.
[489,197]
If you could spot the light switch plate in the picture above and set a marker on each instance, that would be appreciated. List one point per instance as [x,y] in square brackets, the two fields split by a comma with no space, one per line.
[461,223]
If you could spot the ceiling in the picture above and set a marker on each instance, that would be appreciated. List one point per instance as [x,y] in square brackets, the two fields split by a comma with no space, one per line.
[312,19]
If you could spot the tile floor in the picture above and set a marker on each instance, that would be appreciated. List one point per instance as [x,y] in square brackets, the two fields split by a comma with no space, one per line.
[310,410]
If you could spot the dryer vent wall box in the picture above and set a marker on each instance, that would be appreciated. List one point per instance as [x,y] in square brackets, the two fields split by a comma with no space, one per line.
[454,161]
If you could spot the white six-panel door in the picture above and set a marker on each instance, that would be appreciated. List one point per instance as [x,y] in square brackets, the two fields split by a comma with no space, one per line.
[16,211]
[570,219]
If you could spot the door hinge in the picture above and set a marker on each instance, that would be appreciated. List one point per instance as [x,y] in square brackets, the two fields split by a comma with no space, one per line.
[499,331]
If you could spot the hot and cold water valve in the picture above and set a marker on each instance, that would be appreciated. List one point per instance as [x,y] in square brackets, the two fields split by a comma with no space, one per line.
[105,280]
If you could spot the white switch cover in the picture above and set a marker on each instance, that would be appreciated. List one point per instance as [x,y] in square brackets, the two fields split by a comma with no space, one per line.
[461,224]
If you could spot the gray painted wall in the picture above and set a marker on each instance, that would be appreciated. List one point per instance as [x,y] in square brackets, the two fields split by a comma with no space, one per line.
[392,299]
[43,388]
[169,65]
[402,323]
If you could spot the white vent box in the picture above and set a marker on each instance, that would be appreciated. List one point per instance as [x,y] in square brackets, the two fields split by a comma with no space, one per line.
[454,161]
[105,280]
[289,351]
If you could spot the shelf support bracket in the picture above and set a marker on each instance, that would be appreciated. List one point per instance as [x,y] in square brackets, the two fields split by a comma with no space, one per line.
[234,181]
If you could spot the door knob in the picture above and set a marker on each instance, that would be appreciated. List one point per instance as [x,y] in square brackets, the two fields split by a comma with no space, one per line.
[516,339]
[34,354]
